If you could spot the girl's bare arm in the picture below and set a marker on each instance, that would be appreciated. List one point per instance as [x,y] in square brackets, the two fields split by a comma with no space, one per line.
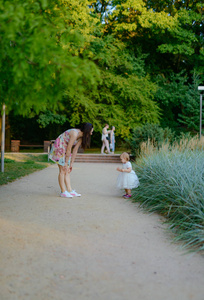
[75,150]
[73,137]
[124,170]
[127,170]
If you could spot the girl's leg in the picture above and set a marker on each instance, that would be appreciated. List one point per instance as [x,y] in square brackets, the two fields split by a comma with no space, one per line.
[67,182]
[107,145]
[61,179]
[113,147]
[128,194]
[103,146]
[128,191]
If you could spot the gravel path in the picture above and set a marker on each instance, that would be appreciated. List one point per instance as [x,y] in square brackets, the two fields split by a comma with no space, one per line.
[96,247]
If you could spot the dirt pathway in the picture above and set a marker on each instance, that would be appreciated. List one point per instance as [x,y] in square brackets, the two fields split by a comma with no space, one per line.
[97,247]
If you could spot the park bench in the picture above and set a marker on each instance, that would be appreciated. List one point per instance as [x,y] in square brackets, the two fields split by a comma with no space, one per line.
[16,145]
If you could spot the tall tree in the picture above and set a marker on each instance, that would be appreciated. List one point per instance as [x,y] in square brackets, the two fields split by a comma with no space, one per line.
[124,97]
[36,55]
[171,35]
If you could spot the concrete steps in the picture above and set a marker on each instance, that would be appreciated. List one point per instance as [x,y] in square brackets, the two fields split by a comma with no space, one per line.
[97,158]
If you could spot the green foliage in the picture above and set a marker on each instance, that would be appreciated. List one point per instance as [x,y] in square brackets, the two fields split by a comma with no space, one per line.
[179,100]
[185,39]
[170,94]
[9,161]
[169,37]
[190,115]
[36,58]
[124,86]
[131,17]
[127,62]
[124,95]
[171,89]
[49,117]
[172,184]
[149,133]
[171,33]
[111,54]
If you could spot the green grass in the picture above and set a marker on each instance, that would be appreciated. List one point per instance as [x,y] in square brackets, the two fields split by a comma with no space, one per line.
[31,150]
[19,165]
[172,184]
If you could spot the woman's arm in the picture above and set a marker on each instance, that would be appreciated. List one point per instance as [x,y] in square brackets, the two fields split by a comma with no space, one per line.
[105,131]
[72,139]
[75,150]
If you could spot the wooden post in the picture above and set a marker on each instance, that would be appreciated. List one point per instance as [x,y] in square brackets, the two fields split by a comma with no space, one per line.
[15,145]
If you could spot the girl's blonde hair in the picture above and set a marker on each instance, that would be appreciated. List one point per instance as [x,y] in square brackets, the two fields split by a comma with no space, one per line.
[125,155]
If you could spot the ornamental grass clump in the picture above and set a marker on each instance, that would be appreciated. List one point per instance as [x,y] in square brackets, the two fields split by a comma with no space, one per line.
[172,184]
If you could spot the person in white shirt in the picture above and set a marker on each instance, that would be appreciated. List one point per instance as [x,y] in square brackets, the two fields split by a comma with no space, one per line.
[105,139]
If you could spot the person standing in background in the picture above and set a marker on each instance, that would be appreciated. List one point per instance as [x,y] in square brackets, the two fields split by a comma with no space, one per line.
[112,139]
[105,139]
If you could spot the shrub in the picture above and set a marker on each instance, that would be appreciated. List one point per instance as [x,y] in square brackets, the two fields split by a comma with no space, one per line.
[149,133]
[8,160]
[172,184]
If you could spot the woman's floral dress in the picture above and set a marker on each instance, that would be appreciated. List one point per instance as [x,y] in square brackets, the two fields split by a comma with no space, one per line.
[58,151]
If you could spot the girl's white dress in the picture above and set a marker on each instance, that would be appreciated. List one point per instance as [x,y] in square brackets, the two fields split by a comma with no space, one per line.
[127,180]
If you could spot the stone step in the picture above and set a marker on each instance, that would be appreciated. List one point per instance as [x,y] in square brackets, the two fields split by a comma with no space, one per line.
[97,158]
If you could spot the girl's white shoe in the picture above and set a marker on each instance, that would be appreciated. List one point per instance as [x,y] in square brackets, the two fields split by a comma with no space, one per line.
[66,195]
[74,193]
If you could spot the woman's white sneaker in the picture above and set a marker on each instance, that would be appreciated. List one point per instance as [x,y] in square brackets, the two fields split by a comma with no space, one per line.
[66,195]
[74,193]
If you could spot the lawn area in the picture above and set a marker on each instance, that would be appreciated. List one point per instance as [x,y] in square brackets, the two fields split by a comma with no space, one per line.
[17,165]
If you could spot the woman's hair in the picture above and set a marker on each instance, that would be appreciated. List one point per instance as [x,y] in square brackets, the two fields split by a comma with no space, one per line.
[125,155]
[86,139]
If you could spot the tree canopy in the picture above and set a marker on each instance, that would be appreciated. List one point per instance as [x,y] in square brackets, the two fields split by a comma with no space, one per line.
[127,62]
[36,55]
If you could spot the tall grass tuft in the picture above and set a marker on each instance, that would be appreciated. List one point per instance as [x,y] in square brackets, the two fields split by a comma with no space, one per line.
[172,184]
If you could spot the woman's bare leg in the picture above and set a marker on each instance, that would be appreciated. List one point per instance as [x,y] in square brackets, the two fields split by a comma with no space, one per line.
[103,146]
[61,179]
[107,145]
[67,182]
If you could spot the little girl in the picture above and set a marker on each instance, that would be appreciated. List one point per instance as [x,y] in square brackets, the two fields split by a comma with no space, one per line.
[127,179]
